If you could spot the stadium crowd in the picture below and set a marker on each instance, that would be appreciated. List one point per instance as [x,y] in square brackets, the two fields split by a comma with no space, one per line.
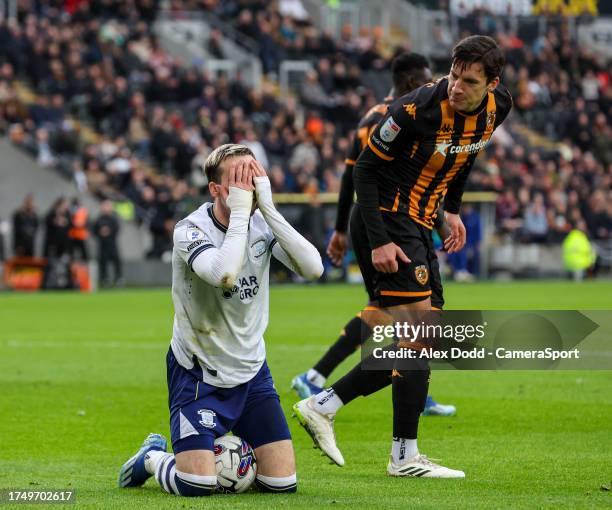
[99,64]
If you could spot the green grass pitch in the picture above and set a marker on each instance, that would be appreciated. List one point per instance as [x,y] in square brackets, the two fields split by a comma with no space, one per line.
[82,381]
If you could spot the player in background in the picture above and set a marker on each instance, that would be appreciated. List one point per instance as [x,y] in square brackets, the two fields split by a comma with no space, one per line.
[420,153]
[409,71]
[218,378]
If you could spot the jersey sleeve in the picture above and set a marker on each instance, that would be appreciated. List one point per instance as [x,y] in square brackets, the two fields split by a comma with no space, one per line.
[347,189]
[389,137]
[190,241]
[504,103]
[354,149]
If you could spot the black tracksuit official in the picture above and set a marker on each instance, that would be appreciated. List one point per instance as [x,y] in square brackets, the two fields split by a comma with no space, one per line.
[106,229]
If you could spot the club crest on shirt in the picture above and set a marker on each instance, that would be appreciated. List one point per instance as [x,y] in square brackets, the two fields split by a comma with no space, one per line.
[389,130]
[421,274]
[490,120]
[258,248]
[207,418]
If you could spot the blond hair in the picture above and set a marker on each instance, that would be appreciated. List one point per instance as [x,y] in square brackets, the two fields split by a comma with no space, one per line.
[219,155]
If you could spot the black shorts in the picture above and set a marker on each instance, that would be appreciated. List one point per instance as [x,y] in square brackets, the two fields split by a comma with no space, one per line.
[413,282]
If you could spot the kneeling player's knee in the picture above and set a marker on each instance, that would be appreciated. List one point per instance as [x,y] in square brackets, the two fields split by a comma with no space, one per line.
[190,485]
[277,484]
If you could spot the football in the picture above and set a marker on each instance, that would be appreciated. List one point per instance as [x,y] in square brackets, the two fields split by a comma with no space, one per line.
[236,464]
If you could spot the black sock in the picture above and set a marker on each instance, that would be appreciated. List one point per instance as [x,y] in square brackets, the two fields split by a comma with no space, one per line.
[410,389]
[353,335]
[359,382]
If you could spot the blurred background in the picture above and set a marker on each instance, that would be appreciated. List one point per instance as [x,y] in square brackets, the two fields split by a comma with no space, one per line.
[108,110]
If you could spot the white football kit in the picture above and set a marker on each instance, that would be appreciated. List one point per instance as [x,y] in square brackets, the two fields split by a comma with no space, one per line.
[220,318]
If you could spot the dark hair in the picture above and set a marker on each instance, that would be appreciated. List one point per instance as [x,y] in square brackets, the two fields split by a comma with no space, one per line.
[405,64]
[480,49]
[215,158]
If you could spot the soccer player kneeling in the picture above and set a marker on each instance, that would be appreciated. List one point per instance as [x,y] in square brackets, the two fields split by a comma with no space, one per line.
[218,378]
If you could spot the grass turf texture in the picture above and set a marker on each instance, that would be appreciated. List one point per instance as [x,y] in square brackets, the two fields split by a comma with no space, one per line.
[82,381]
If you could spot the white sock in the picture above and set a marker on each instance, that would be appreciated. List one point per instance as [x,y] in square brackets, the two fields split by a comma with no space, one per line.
[327,402]
[316,378]
[403,450]
[277,483]
[152,460]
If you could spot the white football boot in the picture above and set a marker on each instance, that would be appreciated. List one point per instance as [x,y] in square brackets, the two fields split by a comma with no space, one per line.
[421,466]
[320,427]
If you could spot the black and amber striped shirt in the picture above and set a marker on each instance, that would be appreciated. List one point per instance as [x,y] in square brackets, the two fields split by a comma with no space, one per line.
[423,151]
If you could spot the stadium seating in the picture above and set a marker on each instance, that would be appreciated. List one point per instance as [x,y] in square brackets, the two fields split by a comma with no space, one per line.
[140,123]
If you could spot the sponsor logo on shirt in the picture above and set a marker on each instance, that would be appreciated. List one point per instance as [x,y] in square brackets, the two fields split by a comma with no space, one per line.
[410,109]
[246,288]
[194,244]
[194,233]
[378,142]
[445,148]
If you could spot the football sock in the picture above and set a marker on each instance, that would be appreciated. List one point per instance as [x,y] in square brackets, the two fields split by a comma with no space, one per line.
[163,466]
[355,332]
[409,396]
[152,460]
[315,377]
[359,382]
[194,485]
[276,484]
[327,402]
[403,449]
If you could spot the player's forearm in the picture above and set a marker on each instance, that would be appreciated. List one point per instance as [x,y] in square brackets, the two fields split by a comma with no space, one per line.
[219,266]
[366,187]
[345,199]
[303,256]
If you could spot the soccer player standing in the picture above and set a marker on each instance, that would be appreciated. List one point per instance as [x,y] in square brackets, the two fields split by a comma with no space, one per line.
[218,378]
[409,71]
[420,154]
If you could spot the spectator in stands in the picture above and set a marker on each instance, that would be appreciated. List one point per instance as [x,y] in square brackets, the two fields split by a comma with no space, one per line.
[57,223]
[3,231]
[106,63]
[251,141]
[79,230]
[25,225]
[598,217]
[214,45]
[106,229]
[43,150]
[535,223]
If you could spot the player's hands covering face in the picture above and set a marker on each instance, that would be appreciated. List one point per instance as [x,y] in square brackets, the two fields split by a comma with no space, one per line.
[241,175]
[257,169]
[240,180]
